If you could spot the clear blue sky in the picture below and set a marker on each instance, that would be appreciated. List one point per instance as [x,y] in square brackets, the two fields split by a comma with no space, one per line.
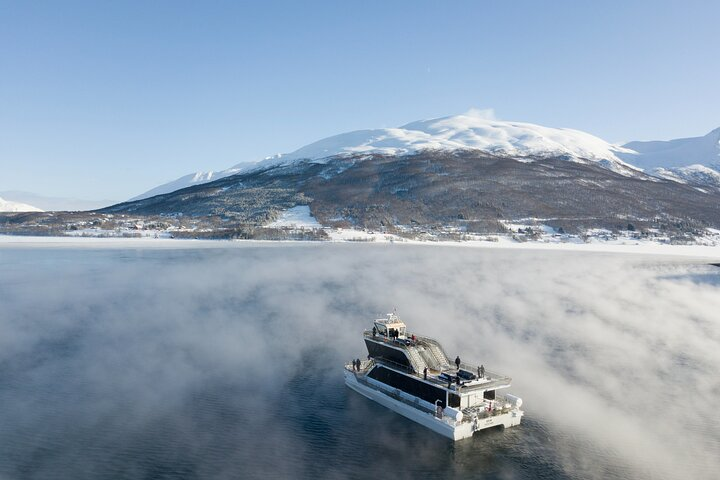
[106,99]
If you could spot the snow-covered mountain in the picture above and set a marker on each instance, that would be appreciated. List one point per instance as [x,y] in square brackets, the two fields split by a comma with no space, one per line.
[8,206]
[692,174]
[681,152]
[460,132]
[182,182]
[54,203]
[694,161]
[466,132]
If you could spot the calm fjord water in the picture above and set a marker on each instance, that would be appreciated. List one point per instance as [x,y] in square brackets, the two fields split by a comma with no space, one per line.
[227,362]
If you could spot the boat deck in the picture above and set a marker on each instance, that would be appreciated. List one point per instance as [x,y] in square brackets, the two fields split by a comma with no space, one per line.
[413,376]
[425,352]
[489,408]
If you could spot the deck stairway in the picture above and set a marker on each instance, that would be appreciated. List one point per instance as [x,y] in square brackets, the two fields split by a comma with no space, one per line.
[416,360]
[428,357]
[433,347]
[424,354]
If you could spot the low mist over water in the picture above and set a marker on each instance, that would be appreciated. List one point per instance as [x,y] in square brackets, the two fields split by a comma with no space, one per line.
[227,362]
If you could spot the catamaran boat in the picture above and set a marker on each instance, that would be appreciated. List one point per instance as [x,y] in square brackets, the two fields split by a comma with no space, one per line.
[413,376]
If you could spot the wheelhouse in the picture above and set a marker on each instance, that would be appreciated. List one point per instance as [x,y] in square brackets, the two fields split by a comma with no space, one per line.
[391,327]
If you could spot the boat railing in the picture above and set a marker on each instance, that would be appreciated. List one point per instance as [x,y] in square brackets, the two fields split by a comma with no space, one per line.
[488,375]
[496,378]
[390,340]
[396,366]
[411,339]
[396,394]
[364,365]
[431,341]
[481,411]
[501,400]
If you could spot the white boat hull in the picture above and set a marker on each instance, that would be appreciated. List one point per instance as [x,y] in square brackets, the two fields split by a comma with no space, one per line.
[445,426]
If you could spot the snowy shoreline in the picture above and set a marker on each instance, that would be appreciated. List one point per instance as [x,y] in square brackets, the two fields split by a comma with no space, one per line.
[698,251]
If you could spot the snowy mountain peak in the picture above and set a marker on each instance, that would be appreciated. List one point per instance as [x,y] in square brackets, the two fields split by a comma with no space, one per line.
[676,153]
[469,131]
[516,138]
[8,206]
[464,132]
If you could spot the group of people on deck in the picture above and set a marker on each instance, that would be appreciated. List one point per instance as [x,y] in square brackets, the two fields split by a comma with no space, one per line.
[480,370]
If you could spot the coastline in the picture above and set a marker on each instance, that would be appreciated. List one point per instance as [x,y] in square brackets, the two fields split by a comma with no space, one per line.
[640,248]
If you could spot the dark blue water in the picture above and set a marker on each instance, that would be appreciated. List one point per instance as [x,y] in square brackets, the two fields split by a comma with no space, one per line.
[227,363]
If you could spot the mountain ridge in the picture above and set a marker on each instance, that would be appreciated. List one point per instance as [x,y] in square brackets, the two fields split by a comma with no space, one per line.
[472,131]
[459,175]
[460,189]
[458,132]
[429,194]
[677,153]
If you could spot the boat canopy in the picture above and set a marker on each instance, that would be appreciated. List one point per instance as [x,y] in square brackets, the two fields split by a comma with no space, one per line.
[390,326]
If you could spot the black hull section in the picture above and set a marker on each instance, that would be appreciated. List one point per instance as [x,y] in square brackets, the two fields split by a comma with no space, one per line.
[410,385]
[381,351]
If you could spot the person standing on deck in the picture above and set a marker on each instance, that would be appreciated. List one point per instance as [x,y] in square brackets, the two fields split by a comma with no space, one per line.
[482,371]
[457,362]
[425,373]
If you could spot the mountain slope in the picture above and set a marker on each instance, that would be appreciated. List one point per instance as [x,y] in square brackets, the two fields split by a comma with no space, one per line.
[431,192]
[681,152]
[699,175]
[184,181]
[468,189]
[460,132]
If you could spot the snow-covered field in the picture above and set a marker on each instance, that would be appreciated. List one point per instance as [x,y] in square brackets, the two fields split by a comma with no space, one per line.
[296,217]
[526,235]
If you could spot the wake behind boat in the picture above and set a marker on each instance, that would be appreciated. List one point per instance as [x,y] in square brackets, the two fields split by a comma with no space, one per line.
[413,376]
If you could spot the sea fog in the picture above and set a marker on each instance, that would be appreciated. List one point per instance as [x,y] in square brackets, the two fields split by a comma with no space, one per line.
[227,362]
